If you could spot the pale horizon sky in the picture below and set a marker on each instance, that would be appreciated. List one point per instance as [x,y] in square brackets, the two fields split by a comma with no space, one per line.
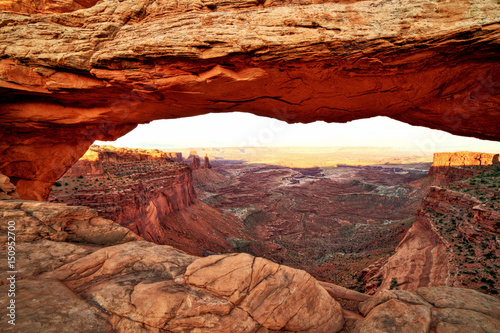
[238,129]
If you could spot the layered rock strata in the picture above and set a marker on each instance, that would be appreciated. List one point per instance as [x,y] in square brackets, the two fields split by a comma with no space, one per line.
[71,77]
[450,167]
[174,157]
[146,193]
[439,309]
[454,239]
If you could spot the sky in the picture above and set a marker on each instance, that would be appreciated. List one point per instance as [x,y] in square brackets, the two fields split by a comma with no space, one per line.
[238,129]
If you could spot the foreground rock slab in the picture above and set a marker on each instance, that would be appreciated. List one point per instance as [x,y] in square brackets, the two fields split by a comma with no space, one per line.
[136,286]
[435,309]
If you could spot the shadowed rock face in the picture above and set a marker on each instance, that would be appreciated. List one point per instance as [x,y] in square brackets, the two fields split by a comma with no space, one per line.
[71,77]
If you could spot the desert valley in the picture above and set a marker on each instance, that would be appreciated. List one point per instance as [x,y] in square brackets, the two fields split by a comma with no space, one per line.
[367,233]
[234,237]
[341,223]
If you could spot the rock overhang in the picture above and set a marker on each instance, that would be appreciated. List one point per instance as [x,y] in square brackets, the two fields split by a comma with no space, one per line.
[69,79]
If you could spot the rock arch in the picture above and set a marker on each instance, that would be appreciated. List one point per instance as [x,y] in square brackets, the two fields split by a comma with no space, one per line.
[67,79]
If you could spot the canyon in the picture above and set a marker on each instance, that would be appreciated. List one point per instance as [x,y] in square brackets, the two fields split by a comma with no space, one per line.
[330,221]
[365,227]
[144,191]
[454,241]
[76,71]
[79,272]
[72,72]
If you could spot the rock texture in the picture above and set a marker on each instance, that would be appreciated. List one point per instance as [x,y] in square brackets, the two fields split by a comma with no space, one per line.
[59,222]
[331,222]
[174,157]
[138,286]
[420,260]
[145,192]
[90,164]
[206,163]
[45,6]
[7,189]
[194,160]
[449,167]
[437,310]
[275,295]
[454,241]
[135,286]
[71,77]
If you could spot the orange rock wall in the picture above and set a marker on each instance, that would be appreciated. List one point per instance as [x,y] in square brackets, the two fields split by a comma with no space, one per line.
[424,257]
[156,201]
[447,167]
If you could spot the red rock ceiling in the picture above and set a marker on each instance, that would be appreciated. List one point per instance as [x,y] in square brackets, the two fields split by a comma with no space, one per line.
[69,78]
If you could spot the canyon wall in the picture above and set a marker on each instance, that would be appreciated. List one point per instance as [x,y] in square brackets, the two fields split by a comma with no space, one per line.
[454,239]
[90,164]
[448,167]
[174,157]
[143,191]
[71,77]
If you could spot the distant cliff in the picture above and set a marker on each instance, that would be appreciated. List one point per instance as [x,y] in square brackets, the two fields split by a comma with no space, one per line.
[195,161]
[454,239]
[450,167]
[174,157]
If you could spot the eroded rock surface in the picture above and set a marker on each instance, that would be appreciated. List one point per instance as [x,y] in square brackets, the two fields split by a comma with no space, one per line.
[71,77]
[449,167]
[142,287]
[144,191]
[439,309]
[7,189]
[274,295]
[454,239]
[59,222]
[137,286]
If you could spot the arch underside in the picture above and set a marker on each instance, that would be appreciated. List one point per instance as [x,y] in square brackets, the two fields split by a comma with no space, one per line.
[93,74]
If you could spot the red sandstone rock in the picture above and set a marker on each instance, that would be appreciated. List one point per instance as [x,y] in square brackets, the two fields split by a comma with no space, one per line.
[90,164]
[420,260]
[443,309]
[70,78]
[149,195]
[464,158]
[138,286]
[206,163]
[448,167]
[45,6]
[455,230]
[59,222]
[174,157]
[279,298]
[7,190]
[194,160]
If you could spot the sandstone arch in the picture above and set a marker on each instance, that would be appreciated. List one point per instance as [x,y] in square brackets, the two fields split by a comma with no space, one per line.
[67,79]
